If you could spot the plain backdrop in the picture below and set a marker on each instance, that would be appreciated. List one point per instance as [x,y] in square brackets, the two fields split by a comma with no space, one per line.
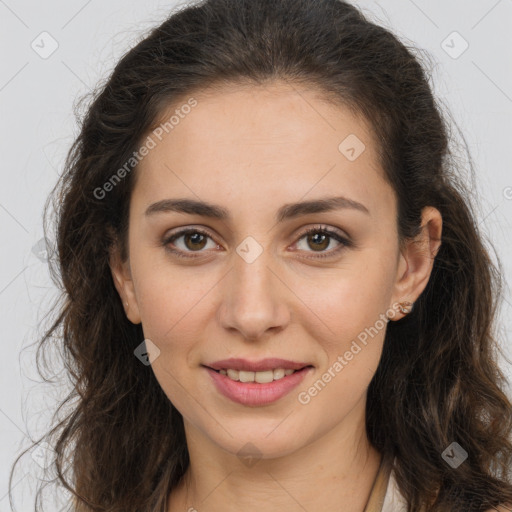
[55,51]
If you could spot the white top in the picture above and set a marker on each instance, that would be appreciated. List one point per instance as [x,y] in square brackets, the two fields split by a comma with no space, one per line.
[385,496]
[394,501]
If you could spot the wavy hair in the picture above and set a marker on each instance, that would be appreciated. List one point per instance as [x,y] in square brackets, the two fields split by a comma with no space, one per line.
[438,380]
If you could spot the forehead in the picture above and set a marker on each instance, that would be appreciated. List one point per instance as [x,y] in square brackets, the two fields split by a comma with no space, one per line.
[262,140]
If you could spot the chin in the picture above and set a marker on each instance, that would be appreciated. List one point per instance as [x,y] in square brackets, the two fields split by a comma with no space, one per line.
[260,441]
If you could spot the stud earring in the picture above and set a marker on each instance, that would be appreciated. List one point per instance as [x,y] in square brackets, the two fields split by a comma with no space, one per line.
[405,307]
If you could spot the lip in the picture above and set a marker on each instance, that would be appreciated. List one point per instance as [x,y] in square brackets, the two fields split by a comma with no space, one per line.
[255,394]
[256,366]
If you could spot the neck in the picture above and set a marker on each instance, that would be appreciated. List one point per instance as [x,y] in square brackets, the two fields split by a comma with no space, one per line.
[339,467]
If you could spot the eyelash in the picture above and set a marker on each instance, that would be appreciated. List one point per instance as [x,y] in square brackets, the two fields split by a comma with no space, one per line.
[344,242]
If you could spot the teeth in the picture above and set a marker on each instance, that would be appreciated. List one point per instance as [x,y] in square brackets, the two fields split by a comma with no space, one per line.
[260,377]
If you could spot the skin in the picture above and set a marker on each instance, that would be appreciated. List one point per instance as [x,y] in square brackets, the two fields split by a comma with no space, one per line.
[252,150]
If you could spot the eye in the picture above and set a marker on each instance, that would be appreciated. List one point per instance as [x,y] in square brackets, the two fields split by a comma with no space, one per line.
[194,240]
[320,238]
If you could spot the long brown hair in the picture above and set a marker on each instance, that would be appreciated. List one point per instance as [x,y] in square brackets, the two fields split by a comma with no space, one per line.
[438,380]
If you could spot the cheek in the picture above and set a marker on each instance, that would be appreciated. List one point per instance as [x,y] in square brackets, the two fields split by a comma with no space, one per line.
[352,346]
[350,298]
[171,305]
[347,317]
[168,296]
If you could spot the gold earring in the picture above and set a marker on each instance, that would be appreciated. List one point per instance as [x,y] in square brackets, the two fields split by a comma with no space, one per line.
[405,307]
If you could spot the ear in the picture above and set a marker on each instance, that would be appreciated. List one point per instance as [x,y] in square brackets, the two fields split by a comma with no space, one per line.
[416,259]
[123,282]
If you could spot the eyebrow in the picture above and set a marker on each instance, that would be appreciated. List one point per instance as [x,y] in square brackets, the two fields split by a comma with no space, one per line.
[286,212]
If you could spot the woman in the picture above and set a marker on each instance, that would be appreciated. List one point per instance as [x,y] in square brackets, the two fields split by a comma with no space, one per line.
[277,297]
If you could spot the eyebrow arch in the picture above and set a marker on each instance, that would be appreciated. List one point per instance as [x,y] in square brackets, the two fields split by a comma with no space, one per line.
[286,212]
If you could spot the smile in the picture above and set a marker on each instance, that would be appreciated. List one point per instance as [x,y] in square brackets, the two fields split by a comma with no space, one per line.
[257,388]
[260,377]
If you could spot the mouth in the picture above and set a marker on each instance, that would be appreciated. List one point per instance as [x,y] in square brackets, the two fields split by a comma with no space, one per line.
[257,388]
[260,377]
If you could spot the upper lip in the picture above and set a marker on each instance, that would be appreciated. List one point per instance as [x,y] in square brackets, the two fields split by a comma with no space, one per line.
[256,366]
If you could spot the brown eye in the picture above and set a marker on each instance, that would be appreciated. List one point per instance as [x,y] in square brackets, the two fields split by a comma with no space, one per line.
[193,240]
[319,239]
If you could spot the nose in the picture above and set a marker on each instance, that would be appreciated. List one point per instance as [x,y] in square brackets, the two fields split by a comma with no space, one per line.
[254,300]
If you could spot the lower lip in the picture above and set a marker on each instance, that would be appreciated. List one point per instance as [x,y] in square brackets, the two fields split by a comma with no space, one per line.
[253,393]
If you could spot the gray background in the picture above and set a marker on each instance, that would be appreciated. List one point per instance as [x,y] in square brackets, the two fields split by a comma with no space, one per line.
[37,93]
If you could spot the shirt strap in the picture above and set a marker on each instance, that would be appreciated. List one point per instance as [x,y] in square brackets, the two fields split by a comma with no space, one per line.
[379,488]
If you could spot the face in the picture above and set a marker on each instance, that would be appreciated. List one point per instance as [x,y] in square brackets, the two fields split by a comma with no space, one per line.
[253,285]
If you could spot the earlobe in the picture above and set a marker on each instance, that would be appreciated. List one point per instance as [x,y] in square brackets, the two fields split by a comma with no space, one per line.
[124,285]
